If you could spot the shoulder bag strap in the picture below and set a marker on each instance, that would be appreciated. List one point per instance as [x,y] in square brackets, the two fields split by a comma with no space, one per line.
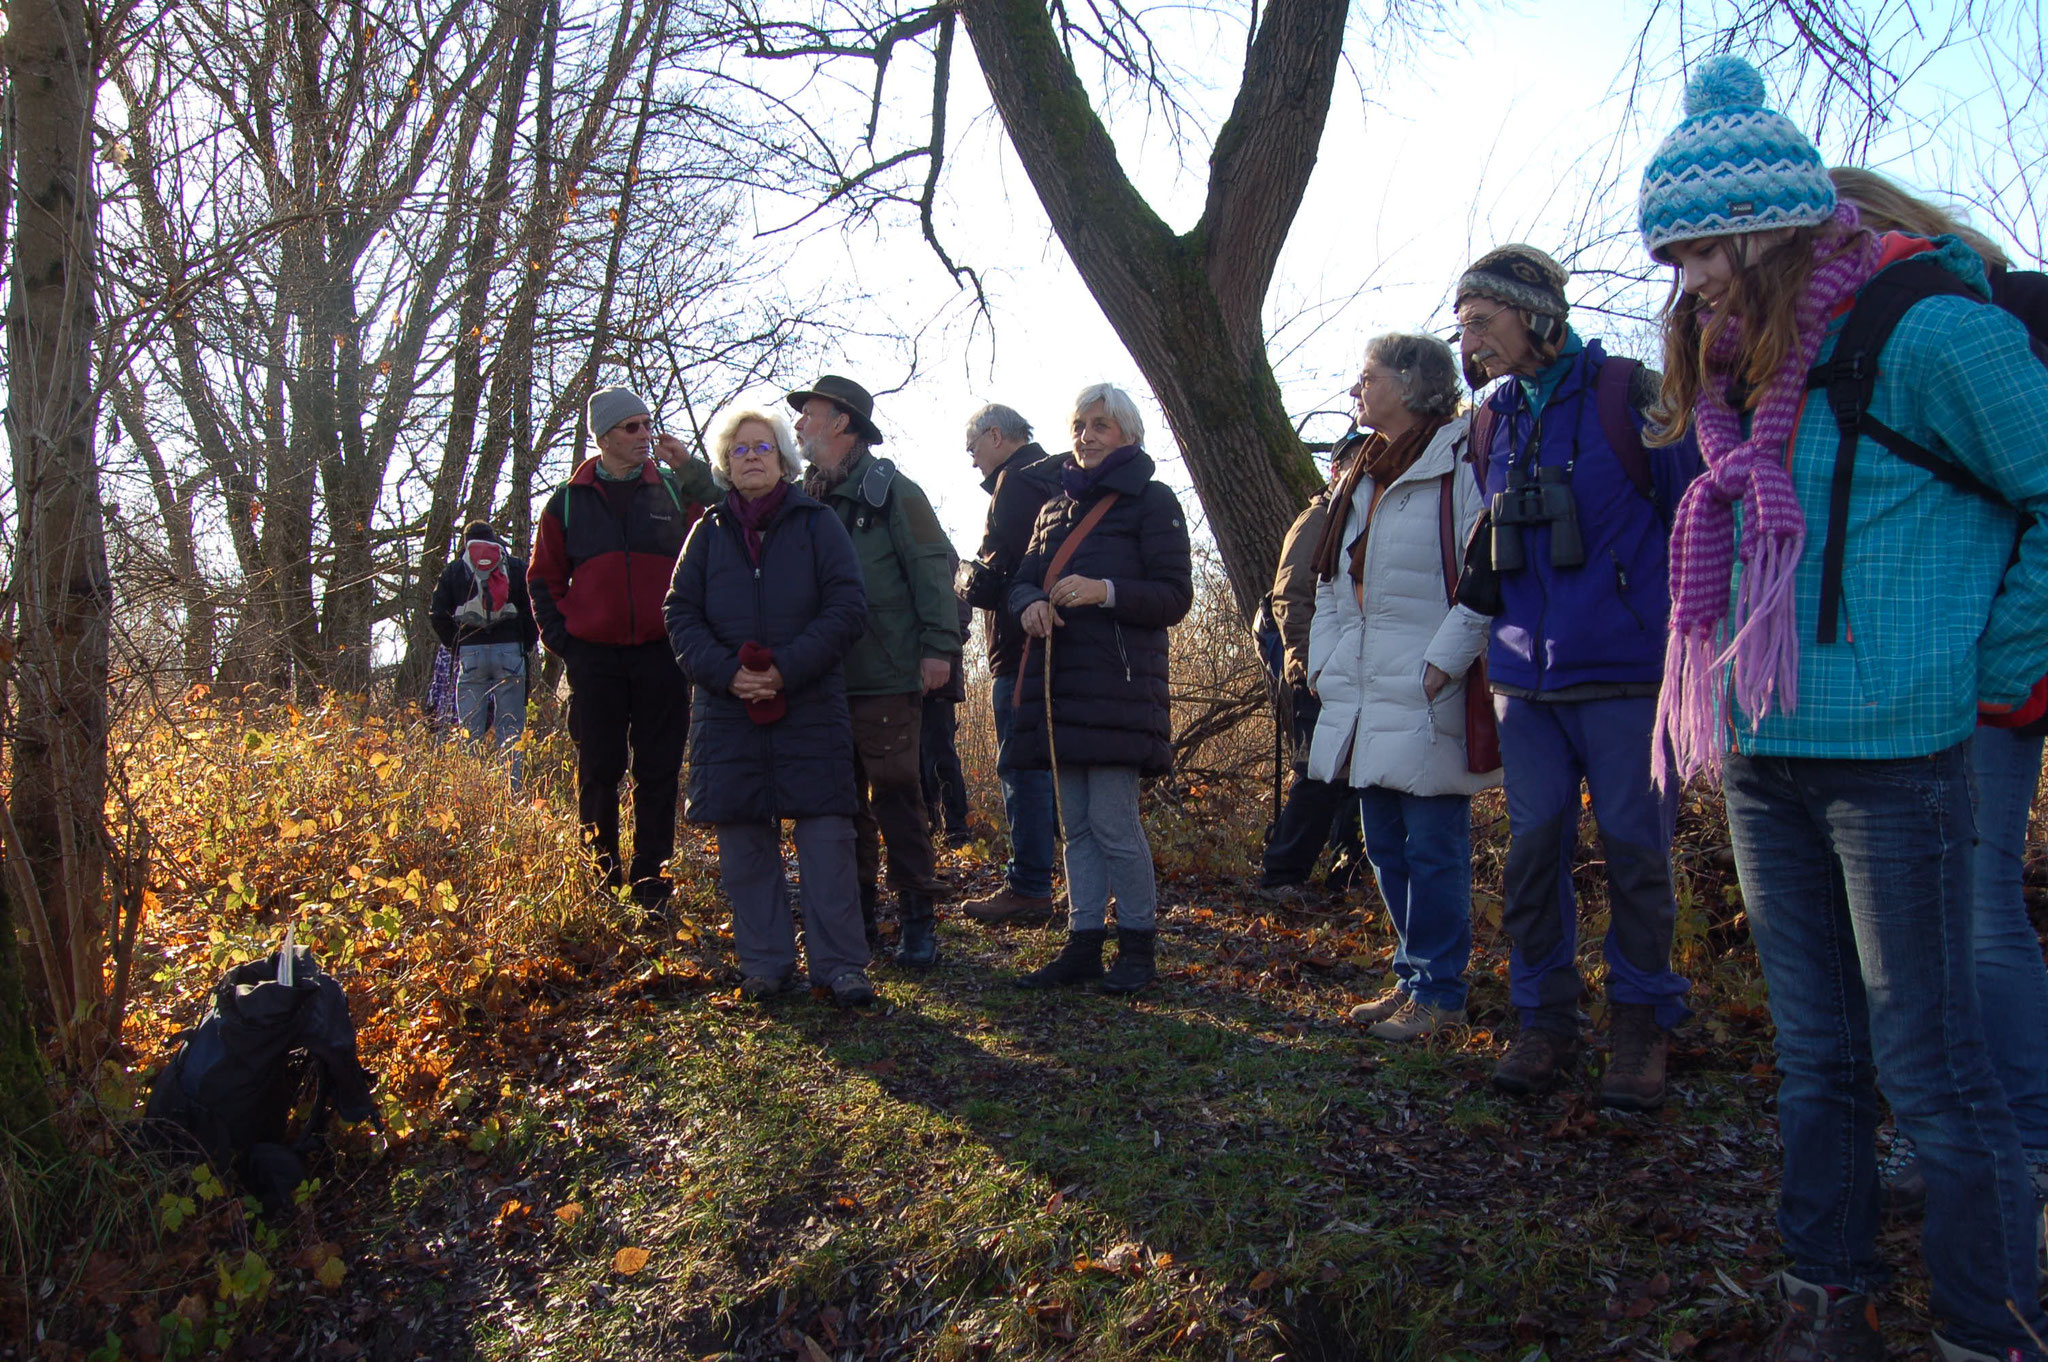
[1058,565]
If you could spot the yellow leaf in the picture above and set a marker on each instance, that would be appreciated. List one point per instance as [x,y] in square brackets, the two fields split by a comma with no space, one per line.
[628,1261]
[570,1213]
[331,1272]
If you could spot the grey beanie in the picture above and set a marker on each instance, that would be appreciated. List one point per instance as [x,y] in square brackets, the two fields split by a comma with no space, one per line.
[609,406]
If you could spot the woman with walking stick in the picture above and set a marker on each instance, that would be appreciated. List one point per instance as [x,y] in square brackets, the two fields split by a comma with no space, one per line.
[1107,574]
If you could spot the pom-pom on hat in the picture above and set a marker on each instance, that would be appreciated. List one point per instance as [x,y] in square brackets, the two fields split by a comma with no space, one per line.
[1732,165]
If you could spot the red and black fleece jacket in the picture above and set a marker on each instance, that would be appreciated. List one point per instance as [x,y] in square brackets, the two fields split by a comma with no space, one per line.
[601,563]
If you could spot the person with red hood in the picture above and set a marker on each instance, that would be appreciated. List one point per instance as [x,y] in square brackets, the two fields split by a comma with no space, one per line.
[603,553]
[482,611]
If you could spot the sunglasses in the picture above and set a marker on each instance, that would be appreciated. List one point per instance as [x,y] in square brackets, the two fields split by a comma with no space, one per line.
[635,426]
[764,449]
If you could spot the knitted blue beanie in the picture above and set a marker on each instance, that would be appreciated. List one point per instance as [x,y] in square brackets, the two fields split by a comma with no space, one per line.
[1732,165]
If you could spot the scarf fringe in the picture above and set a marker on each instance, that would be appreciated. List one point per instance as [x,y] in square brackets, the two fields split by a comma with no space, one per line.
[1765,648]
[1689,736]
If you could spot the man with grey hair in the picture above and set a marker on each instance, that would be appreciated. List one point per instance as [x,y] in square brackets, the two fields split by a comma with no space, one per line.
[612,533]
[912,636]
[1019,478]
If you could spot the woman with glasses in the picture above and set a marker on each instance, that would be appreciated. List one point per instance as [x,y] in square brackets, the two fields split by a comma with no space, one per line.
[766,602]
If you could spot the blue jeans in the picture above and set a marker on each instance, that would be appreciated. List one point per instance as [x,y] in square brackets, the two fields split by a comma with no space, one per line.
[2012,981]
[1547,749]
[490,696]
[1027,803]
[1856,878]
[1106,849]
[1420,847]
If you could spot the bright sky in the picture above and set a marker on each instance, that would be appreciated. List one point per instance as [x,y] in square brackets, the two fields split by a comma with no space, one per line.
[1469,140]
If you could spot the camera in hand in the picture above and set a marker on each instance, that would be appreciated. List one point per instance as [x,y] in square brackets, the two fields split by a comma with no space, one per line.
[1545,499]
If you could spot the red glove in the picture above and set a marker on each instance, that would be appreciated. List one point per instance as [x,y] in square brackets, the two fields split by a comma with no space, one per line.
[756,658]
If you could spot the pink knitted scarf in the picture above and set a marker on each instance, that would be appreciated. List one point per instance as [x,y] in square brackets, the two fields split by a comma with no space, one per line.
[1692,710]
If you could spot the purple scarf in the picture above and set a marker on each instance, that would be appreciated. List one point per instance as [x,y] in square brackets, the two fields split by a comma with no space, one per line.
[1078,482]
[1692,711]
[753,516]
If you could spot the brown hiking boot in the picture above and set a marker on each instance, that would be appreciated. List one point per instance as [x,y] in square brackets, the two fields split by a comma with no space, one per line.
[1537,1062]
[1009,908]
[1634,1080]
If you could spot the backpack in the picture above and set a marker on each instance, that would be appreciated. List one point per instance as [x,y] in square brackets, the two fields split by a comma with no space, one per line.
[486,562]
[1617,423]
[230,1093]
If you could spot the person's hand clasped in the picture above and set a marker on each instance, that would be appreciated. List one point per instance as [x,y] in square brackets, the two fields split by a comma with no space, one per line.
[1040,619]
[1072,591]
[935,672]
[1434,679]
[752,685]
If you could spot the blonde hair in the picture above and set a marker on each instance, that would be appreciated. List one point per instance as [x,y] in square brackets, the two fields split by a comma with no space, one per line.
[1887,206]
[728,434]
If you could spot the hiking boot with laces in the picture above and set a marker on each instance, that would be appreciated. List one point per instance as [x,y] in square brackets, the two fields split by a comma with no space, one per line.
[1634,1080]
[1415,1020]
[1537,1062]
[1824,1324]
[760,987]
[1898,1173]
[1380,1008]
[1010,908]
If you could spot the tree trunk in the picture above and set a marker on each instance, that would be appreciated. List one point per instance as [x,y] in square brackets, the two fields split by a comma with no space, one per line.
[61,586]
[1189,307]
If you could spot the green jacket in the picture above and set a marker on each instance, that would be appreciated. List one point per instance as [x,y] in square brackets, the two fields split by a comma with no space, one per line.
[905,563]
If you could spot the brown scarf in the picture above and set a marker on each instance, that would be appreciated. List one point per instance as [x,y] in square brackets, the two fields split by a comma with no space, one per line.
[1383,461]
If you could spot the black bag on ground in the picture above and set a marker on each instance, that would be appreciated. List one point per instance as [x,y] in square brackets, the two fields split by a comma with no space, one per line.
[230,1091]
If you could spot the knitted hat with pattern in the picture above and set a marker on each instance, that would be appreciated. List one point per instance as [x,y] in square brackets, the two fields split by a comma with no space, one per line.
[1520,276]
[1732,165]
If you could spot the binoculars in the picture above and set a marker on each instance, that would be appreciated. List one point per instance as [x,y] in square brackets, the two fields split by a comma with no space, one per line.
[1545,499]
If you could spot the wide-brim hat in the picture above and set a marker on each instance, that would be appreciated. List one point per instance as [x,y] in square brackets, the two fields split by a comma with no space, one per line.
[849,397]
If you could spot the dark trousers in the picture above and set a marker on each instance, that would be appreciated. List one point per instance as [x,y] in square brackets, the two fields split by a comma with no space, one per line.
[628,701]
[885,774]
[1316,812]
[944,787]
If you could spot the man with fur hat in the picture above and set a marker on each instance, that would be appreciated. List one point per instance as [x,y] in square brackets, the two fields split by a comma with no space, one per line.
[1571,562]
[911,645]
[482,611]
[603,553]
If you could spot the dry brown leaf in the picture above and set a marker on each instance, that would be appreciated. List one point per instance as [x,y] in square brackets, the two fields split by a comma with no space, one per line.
[628,1261]
[570,1213]
[1264,1281]
[814,1353]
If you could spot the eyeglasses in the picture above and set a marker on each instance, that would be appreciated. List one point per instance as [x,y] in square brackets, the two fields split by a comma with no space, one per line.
[764,449]
[1478,325]
[635,426]
[975,439]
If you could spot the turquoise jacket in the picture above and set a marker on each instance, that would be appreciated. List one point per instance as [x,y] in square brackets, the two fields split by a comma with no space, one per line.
[1939,610]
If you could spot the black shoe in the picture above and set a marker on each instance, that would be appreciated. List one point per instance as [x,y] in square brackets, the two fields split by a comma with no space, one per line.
[1134,968]
[1078,962]
[918,946]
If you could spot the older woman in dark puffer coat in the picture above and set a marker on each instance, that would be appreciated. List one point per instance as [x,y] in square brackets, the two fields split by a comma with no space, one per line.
[1100,627]
[765,602]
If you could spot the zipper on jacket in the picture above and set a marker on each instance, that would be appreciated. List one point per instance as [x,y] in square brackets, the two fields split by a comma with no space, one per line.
[1119,631]
[1621,590]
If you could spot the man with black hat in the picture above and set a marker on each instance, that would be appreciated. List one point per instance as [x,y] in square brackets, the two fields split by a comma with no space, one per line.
[603,553]
[1571,561]
[912,638]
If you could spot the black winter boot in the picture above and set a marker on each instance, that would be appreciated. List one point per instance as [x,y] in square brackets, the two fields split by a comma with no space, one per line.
[918,946]
[1134,968]
[868,899]
[1079,961]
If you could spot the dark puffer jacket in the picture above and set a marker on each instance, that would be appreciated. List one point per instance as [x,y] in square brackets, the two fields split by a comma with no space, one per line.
[805,602]
[1109,666]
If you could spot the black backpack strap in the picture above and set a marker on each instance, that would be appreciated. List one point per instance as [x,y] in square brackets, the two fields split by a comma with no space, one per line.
[1849,377]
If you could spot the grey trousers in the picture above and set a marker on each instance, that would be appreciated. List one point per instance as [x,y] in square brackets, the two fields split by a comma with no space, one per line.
[750,862]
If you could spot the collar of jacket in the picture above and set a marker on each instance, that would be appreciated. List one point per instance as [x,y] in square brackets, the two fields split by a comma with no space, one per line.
[1130,479]
[856,472]
[1542,388]
[1027,454]
[586,472]
[1574,372]
[794,498]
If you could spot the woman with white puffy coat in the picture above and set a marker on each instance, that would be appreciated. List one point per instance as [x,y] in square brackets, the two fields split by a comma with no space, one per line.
[1389,656]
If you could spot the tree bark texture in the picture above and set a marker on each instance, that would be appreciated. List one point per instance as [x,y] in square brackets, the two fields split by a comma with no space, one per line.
[1188,306]
[62,591]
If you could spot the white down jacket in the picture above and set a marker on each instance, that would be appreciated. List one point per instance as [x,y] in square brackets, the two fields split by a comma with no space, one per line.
[1366,663]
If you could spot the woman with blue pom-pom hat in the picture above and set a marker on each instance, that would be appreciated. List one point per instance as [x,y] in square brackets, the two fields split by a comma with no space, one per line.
[1828,651]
